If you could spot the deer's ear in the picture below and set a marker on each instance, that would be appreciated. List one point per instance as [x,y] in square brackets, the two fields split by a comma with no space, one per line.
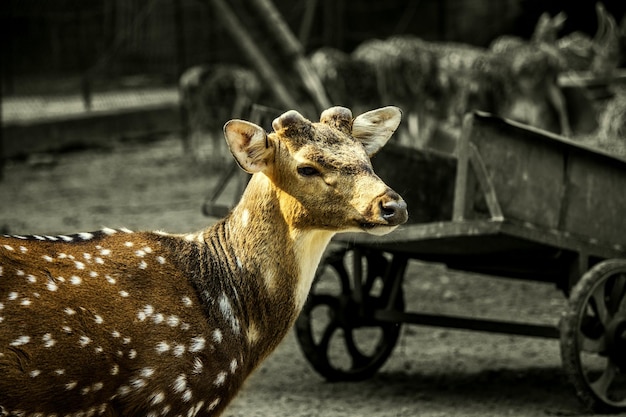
[249,145]
[375,127]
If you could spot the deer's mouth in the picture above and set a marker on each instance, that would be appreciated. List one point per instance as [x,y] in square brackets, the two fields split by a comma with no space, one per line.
[377,229]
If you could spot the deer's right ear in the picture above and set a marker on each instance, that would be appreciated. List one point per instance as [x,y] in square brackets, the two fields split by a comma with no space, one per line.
[249,145]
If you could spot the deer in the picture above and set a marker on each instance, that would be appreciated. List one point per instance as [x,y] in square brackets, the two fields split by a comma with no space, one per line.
[123,323]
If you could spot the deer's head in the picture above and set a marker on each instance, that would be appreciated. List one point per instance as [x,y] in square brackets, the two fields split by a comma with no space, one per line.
[322,171]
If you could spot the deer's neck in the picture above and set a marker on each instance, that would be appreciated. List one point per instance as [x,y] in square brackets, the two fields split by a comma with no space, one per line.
[271,262]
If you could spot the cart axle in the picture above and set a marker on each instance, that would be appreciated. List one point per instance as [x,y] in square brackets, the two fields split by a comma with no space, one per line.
[491,326]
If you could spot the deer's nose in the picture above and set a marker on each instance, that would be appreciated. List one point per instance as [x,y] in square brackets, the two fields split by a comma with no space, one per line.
[393,209]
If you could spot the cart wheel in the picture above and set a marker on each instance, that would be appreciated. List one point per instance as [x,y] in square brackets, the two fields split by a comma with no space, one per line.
[336,331]
[593,337]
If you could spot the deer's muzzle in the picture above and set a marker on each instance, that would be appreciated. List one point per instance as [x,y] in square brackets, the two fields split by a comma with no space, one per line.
[392,209]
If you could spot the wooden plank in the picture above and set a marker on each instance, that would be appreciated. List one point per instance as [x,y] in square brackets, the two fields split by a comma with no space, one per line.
[527,174]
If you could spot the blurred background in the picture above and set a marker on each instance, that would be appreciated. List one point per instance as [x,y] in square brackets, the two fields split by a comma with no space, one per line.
[63,58]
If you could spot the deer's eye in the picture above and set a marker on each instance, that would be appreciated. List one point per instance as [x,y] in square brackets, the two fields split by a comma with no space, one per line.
[308,171]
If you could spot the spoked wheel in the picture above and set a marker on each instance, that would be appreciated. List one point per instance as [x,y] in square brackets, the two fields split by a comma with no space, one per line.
[336,329]
[593,337]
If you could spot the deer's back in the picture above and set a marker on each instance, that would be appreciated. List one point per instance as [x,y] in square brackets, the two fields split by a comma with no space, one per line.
[107,322]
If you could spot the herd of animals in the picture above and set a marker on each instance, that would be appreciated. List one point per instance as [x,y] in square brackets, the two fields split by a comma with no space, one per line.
[435,83]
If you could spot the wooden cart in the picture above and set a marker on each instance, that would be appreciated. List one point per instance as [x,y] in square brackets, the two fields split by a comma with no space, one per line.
[516,202]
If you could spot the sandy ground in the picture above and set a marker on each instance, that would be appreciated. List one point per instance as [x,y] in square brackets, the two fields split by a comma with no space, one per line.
[432,372]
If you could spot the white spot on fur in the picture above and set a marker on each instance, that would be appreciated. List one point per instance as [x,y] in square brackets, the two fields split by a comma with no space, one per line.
[67,329]
[187,301]
[23,249]
[84,341]
[129,244]
[87,256]
[115,334]
[35,373]
[124,293]
[180,383]
[25,302]
[59,371]
[123,390]
[110,279]
[48,341]
[12,296]
[157,398]
[233,366]
[108,231]
[21,341]
[227,311]
[197,344]
[217,336]
[51,285]
[143,265]
[66,238]
[76,280]
[160,260]
[197,366]
[126,230]
[105,252]
[220,379]
[97,386]
[148,309]
[48,258]
[194,410]
[8,247]
[187,395]
[146,372]
[98,319]
[140,253]
[162,347]
[173,321]
[213,404]
[79,265]
[179,350]
[70,385]
[115,369]
[69,311]
[138,383]
[132,354]
[85,236]
[158,318]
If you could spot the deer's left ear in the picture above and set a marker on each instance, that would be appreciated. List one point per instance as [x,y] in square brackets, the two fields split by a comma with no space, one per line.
[249,145]
[375,127]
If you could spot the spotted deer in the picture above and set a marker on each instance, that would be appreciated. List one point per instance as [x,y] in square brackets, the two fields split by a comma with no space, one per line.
[123,323]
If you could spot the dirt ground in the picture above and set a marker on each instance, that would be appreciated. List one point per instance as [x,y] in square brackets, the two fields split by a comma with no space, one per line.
[432,372]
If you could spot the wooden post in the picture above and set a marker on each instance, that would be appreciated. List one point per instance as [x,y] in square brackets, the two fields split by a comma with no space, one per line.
[236,29]
[281,32]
